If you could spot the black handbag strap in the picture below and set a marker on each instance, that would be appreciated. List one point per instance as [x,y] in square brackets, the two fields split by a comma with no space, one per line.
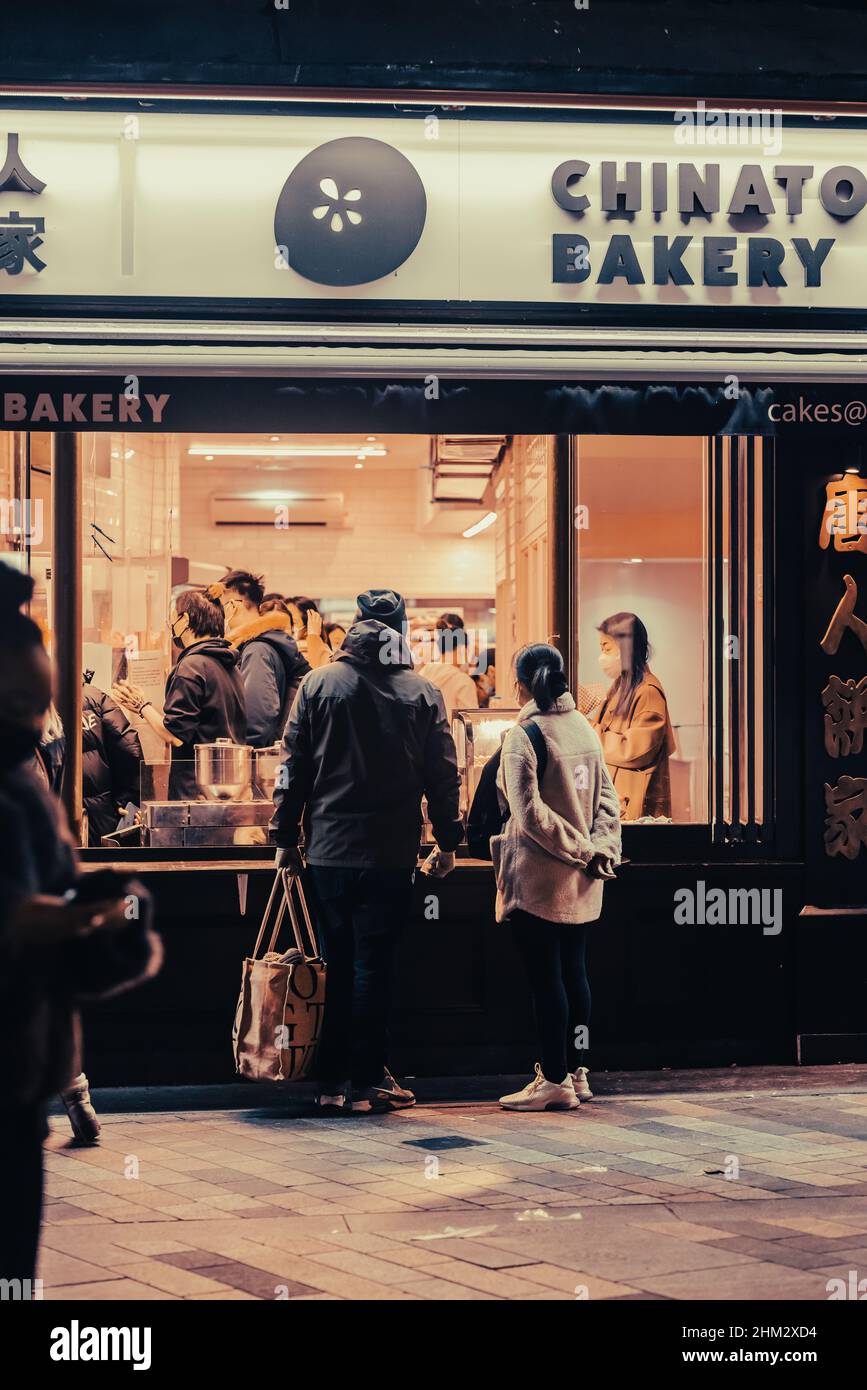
[537,738]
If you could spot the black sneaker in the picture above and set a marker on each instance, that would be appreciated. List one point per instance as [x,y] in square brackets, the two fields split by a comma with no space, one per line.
[333,1098]
[387,1094]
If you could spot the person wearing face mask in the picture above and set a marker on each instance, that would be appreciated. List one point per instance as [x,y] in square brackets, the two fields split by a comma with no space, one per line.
[632,721]
[205,697]
[307,626]
[64,937]
[272,668]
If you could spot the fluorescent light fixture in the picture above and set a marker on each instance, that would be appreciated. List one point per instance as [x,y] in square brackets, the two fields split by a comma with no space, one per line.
[633,562]
[287,451]
[487,520]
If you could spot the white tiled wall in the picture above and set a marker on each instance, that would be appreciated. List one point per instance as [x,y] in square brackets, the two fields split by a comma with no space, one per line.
[382,546]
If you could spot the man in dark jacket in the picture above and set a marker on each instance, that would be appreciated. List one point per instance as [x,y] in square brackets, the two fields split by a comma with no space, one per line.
[272,667]
[111,762]
[366,739]
[204,692]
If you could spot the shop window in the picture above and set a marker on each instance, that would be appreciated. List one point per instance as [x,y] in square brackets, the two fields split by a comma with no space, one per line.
[670,536]
[641,543]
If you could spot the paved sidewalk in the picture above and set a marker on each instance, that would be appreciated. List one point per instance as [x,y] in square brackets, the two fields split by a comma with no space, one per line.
[759,1195]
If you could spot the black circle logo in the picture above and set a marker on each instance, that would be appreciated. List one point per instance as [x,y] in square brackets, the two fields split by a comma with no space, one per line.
[350,212]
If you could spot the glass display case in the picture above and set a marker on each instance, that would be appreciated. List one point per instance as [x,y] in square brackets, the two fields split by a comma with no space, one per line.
[478,734]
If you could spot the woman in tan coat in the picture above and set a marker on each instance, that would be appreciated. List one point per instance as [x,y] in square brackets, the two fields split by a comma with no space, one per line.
[632,722]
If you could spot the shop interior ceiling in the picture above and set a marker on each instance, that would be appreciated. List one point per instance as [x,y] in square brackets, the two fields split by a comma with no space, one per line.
[453,472]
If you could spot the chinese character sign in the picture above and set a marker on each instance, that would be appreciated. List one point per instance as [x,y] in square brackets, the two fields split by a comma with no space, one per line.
[20,235]
[845,705]
[845,514]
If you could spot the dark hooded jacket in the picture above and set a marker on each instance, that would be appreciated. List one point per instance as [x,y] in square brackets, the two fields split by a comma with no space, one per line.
[366,739]
[204,701]
[111,762]
[272,668]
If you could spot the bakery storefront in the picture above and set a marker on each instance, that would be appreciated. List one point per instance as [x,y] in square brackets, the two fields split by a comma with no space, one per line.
[535,369]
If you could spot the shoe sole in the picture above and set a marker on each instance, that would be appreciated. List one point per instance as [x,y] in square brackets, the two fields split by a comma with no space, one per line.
[540,1109]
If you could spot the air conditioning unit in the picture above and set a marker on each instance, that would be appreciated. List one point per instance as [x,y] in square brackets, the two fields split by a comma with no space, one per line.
[278,509]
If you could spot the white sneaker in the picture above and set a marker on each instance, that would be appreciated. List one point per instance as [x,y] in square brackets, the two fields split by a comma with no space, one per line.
[540,1094]
[581,1084]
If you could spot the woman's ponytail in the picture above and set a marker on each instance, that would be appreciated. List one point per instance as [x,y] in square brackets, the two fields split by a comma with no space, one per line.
[540,668]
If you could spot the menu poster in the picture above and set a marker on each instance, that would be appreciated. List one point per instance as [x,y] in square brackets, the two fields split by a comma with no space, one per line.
[146,671]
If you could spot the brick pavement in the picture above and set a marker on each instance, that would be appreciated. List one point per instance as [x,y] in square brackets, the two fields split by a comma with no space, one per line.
[760,1196]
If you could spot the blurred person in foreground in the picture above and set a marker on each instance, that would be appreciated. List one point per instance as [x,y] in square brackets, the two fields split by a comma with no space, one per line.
[64,937]
[366,739]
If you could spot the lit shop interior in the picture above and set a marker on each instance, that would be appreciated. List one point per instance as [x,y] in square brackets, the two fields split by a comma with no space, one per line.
[459,525]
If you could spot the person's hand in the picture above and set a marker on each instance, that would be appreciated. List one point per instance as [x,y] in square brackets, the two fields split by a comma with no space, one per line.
[314,623]
[438,863]
[601,866]
[126,694]
[45,921]
[290,858]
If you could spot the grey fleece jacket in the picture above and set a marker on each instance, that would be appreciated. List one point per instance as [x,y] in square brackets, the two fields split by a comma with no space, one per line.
[555,829]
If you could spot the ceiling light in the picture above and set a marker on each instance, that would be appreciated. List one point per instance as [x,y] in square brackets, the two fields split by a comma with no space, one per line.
[275,439]
[359,465]
[208,458]
[371,439]
[633,562]
[487,520]
[293,451]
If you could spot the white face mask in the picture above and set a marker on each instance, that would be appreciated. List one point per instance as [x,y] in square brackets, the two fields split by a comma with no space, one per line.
[609,663]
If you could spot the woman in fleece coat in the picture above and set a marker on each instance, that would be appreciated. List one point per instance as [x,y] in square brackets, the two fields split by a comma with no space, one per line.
[560,842]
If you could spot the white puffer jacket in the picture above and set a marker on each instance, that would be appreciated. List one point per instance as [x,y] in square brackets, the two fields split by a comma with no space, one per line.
[553,831]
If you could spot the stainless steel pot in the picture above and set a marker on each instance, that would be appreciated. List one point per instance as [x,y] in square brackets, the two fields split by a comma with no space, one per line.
[267,763]
[224,769]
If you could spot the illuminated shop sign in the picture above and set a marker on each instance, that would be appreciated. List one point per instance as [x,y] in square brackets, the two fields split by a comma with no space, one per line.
[684,190]
[97,205]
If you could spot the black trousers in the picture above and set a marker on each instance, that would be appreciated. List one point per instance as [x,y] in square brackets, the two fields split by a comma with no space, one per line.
[555,959]
[360,914]
[21,1186]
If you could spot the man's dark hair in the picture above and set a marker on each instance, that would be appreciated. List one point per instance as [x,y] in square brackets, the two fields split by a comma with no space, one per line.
[305,605]
[274,603]
[450,639]
[203,614]
[251,587]
[452,621]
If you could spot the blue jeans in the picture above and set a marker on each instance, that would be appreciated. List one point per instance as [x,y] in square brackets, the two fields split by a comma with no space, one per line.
[360,914]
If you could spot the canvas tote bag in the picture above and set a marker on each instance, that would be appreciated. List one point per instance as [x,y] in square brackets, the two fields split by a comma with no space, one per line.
[279,1015]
